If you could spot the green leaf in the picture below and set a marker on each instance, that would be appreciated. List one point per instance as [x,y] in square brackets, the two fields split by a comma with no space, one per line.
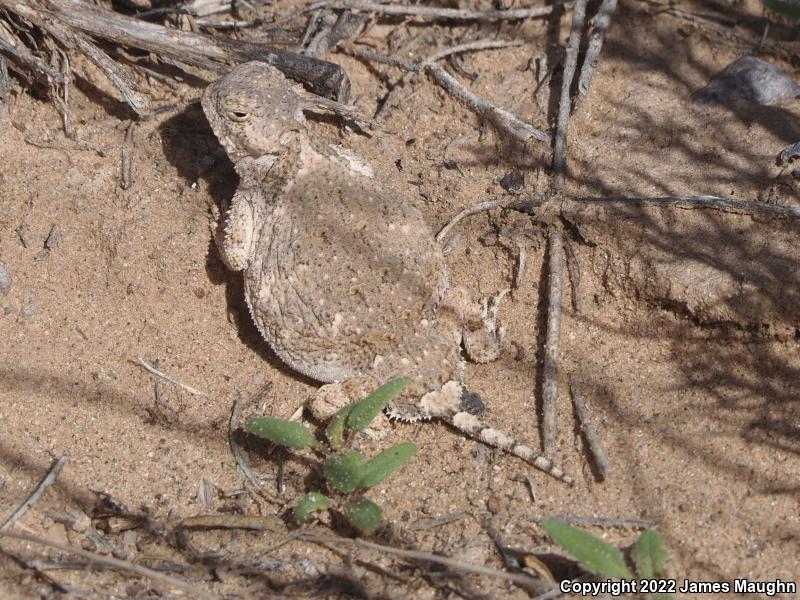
[284,433]
[381,466]
[343,471]
[364,411]
[787,8]
[363,514]
[335,429]
[649,555]
[308,504]
[594,555]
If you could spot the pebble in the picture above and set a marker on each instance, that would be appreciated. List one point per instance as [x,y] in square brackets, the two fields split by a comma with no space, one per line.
[53,238]
[5,280]
[28,309]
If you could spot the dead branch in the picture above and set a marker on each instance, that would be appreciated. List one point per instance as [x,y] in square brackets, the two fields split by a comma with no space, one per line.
[115,73]
[434,12]
[595,447]
[597,33]
[564,105]
[198,50]
[552,342]
[37,493]
[109,561]
[26,59]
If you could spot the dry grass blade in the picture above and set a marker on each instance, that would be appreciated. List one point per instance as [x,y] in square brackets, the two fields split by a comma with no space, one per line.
[139,361]
[564,103]
[37,493]
[122,565]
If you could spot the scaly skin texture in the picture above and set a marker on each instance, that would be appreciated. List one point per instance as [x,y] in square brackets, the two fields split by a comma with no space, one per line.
[342,276]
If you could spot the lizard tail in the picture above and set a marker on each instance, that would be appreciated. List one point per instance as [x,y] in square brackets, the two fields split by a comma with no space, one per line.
[473,427]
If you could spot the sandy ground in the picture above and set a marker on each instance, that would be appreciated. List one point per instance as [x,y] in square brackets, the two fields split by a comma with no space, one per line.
[685,341]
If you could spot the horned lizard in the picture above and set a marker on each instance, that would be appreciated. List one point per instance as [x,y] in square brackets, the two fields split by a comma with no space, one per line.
[342,275]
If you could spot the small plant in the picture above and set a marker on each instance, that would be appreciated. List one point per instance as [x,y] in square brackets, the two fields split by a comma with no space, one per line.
[347,473]
[648,557]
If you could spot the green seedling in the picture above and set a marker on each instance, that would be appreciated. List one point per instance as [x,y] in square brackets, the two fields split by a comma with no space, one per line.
[600,558]
[346,471]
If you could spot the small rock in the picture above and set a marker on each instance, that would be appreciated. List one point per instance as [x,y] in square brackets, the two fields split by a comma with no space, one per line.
[53,238]
[749,79]
[28,309]
[5,280]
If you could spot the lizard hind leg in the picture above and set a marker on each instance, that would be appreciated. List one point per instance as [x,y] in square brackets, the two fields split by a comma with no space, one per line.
[448,405]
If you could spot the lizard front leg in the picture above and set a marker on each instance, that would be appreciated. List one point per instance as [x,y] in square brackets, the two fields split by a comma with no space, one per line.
[236,233]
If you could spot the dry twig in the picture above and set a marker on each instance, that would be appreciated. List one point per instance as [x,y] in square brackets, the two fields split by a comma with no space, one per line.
[435,12]
[744,207]
[109,561]
[37,493]
[236,450]
[227,521]
[500,118]
[606,522]
[166,377]
[425,556]
[564,104]
[574,272]
[597,33]
[469,211]
[595,447]
[552,342]
[473,47]
[127,157]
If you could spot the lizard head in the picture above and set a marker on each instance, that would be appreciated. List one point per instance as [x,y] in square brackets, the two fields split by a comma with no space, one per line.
[251,108]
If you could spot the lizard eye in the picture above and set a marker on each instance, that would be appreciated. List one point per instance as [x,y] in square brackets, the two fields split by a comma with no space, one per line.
[238,115]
